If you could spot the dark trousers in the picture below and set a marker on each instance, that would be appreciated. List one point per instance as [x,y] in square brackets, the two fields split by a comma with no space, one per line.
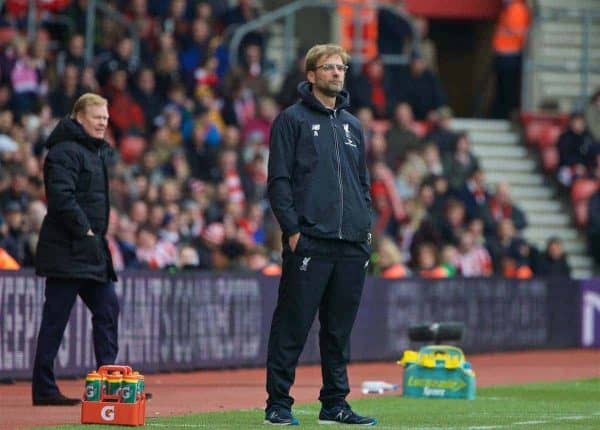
[508,85]
[322,275]
[101,300]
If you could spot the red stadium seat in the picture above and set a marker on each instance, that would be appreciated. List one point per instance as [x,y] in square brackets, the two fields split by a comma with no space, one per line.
[550,158]
[549,135]
[533,130]
[581,213]
[583,189]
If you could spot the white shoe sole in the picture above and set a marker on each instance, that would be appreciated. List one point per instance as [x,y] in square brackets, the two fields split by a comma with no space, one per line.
[267,422]
[329,422]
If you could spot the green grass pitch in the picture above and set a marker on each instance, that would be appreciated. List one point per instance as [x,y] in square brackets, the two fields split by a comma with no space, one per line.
[548,406]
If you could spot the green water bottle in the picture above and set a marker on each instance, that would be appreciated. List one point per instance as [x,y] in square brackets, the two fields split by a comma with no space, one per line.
[141,384]
[129,389]
[115,380]
[93,386]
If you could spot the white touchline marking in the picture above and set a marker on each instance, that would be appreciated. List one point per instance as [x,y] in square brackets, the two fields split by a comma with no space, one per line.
[384,427]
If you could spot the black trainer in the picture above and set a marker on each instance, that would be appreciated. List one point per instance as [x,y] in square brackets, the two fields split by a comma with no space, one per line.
[280,417]
[55,400]
[344,415]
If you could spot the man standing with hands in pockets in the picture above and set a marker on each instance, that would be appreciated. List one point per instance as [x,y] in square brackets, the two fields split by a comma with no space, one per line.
[318,187]
[72,251]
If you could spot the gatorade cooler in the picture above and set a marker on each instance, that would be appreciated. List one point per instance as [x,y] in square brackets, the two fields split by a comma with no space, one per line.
[437,371]
[125,406]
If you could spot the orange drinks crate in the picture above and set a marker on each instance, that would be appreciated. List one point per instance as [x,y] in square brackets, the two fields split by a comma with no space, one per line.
[110,409]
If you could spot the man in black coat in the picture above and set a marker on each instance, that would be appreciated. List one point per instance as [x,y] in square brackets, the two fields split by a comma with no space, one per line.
[72,250]
[318,187]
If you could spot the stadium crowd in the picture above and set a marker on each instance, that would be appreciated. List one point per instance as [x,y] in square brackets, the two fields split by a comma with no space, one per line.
[191,132]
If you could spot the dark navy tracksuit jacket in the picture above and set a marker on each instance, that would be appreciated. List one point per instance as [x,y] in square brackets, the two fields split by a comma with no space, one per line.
[318,185]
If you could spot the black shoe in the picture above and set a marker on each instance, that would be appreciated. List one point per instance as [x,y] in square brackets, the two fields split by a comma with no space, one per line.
[280,417]
[344,415]
[56,400]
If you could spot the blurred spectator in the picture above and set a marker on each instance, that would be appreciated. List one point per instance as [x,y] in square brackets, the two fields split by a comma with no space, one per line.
[370,88]
[389,260]
[254,70]
[147,97]
[229,256]
[17,191]
[15,231]
[68,91]
[288,93]
[473,260]
[508,44]
[553,262]
[258,128]
[575,146]
[433,161]
[592,116]
[400,137]
[409,176]
[449,259]
[427,265]
[394,30]
[244,12]
[459,165]
[121,58]
[239,106]
[167,65]
[195,50]
[365,116]
[453,222]
[33,224]
[125,113]
[423,91]
[509,252]
[358,27]
[113,244]
[152,252]
[500,207]
[26,78]
[427,46]
[440,130]
[188,258]
[258,261]
[126,240]
[387,205]
[74,54]
[475,196]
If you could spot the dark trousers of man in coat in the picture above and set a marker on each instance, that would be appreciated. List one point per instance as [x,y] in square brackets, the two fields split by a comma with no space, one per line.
[60,295]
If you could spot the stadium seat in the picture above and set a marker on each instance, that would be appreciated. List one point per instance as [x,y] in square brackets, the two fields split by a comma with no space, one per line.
[533,130]
[580,211]
[550,158]
[583,189]
[549,135]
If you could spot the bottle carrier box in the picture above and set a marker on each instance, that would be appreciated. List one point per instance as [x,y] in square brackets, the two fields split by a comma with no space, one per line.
[114,395]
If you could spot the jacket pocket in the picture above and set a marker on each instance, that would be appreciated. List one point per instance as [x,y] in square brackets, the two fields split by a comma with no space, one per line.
[301,245]
[86,248]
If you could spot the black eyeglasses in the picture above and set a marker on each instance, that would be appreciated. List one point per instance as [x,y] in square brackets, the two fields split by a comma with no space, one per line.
[328,67]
